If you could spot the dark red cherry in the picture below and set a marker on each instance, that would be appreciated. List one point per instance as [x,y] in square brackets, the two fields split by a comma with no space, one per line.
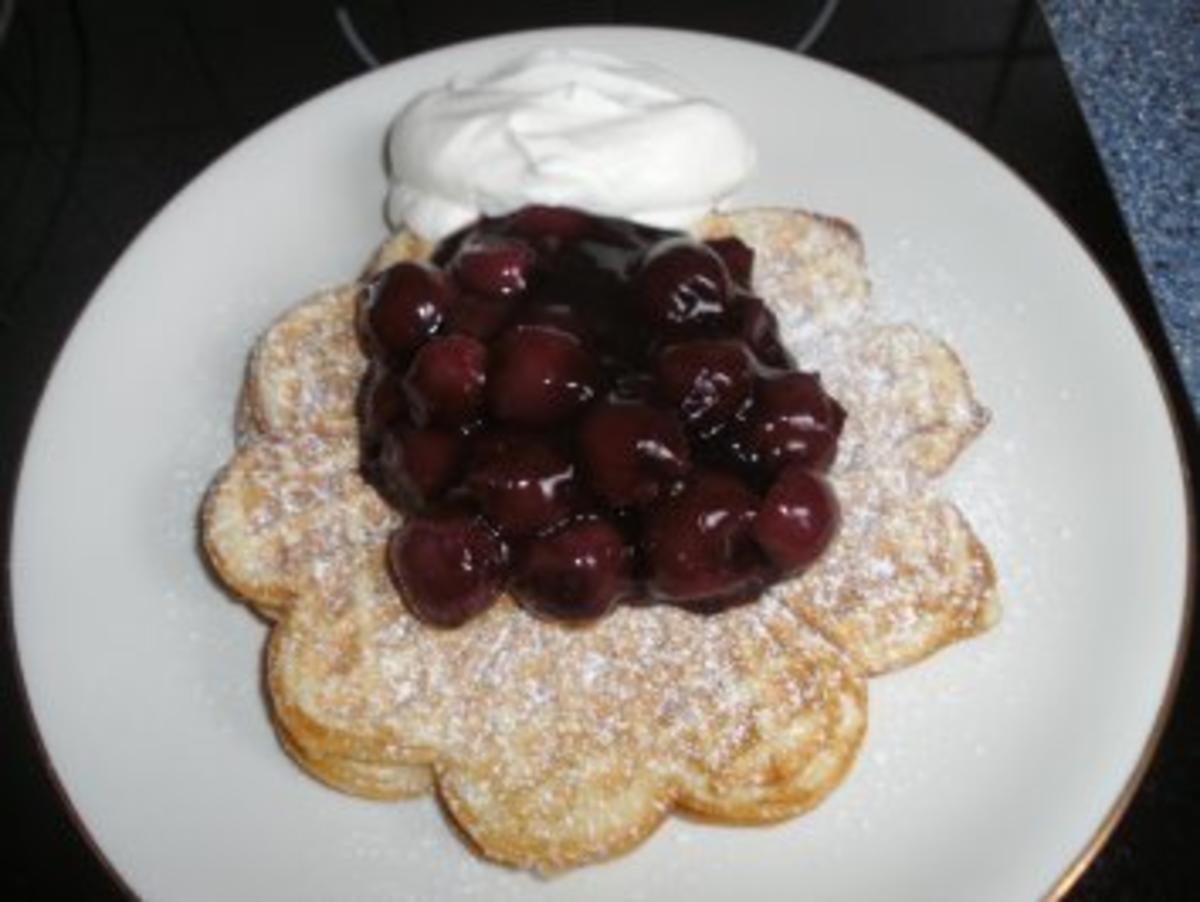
[445,382]
[557,315]
[797,519]
[478,316]
[759,329]
[381,402]
[632,452]
[447,567]
[522,484]
[680,283]
[737,256]
[538,221]
[794,421]
[403,306]
[577,572]
[707,380]
[539,376]
[699,543]
[495,266]
[417,466]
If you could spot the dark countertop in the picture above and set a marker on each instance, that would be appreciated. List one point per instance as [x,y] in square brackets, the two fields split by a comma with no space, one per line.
[107,110]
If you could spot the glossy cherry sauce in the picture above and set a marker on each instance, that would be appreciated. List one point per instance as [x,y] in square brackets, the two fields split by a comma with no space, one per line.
[585,411]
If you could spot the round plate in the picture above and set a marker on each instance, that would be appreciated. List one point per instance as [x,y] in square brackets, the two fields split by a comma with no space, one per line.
[987,772]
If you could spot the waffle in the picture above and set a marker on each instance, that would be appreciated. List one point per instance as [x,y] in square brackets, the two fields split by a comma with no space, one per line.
[552,745]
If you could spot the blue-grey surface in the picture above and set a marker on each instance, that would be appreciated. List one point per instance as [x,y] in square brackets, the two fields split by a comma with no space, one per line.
[1135,65]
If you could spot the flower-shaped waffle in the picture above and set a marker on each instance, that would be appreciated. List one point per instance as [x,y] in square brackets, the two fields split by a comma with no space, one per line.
[553,745]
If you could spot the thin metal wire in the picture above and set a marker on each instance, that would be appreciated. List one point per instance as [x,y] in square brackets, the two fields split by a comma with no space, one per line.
[363,51]
[6,15]
[818,26]
[354,39]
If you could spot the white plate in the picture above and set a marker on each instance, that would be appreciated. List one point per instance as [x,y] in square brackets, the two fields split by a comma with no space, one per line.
[987,771]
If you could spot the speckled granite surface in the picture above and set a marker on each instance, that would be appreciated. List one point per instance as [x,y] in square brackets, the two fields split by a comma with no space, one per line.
[1135,66]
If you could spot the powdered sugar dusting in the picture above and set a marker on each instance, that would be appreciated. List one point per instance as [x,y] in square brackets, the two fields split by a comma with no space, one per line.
[580,739]
[906,574]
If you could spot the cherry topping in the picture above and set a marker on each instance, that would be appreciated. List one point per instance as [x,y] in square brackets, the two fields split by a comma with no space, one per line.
[795,421]
[708,380]
[540,375]
[758,327]
[403,307]
[737,256]
[521,483]
[610,398]
[564,317]
[632,452]
[576,572]
[447,567]
[478,316]
[417,466]
[496,266]
[445,381]
[634,385]
[681,283]
[539,221]
[381,404]
[797,519]
[700,542]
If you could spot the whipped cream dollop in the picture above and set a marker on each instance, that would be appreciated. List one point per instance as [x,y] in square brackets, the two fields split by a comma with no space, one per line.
[568,127]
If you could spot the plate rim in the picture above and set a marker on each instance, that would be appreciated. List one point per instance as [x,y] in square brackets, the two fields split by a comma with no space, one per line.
[1133,782]
[1080,862]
